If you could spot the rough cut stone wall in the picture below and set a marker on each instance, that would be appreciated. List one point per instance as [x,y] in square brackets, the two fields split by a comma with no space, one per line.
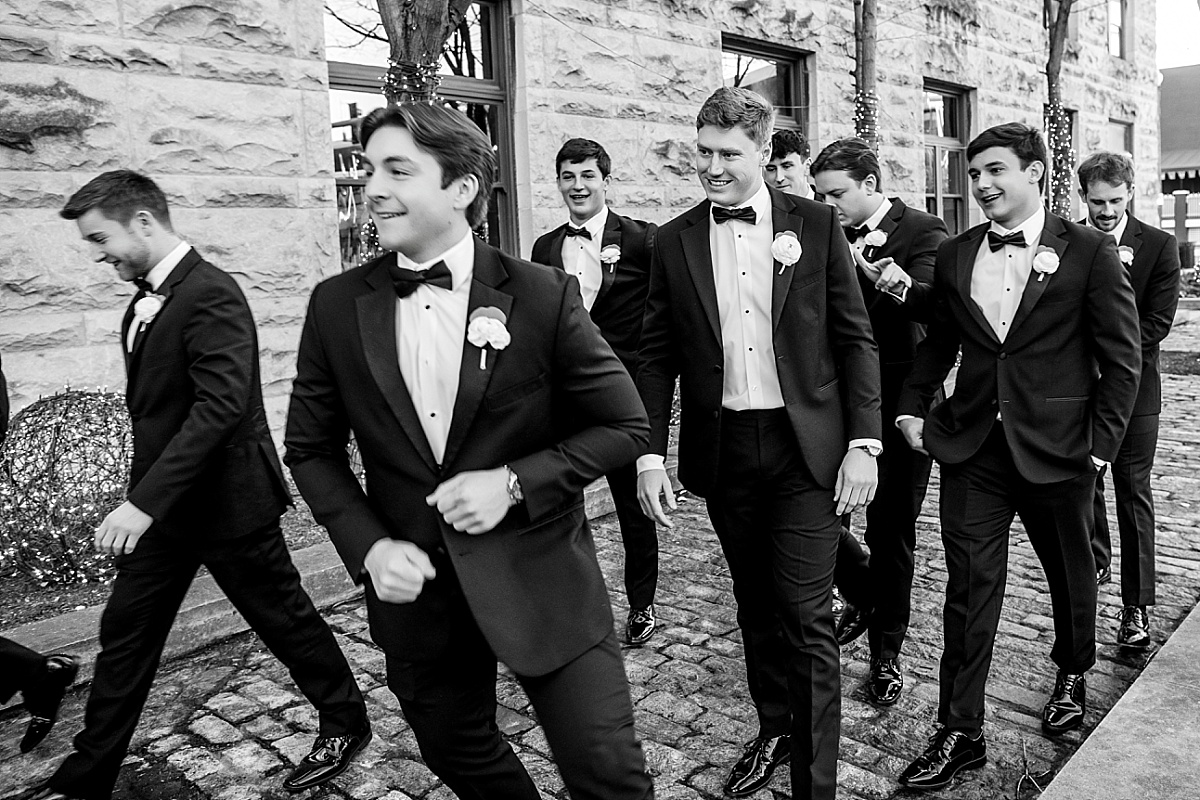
[224,103]
[632,74]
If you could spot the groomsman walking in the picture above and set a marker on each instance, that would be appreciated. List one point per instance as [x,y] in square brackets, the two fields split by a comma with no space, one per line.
[755,307]
[788,168]
[206,488]
[609,255]
[1151,258]
[894,247]
[483,400]
[1044,316]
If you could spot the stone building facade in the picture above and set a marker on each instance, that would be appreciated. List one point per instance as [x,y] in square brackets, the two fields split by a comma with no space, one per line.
[228,104]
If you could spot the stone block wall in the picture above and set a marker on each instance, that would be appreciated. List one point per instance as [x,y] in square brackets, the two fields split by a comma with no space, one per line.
[224,103]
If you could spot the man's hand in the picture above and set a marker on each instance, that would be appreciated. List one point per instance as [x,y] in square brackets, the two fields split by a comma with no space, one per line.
[872,269]
[856,481]
[892,279]
[473,502]
[120,531]
[651,484]
[398,570]
[913,429]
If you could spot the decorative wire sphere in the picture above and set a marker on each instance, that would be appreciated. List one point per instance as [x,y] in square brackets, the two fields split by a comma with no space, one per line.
[65,467]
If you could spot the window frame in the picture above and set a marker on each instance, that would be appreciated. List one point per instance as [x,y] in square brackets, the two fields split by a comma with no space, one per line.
[801,86]
[941,144]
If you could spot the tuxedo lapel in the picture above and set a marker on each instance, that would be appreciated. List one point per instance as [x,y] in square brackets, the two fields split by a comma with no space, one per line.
[889,224]
[377,330]
[968,249]
[608,272]
[126,323]
[556,245]
[473,381]
[781,277]
[1132,238]
[1036,283]
[165,291]
[698,256]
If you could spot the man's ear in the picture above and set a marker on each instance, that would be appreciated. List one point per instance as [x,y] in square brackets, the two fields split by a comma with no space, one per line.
[466,189]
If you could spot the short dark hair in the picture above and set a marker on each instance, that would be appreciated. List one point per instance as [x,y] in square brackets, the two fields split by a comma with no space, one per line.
[455,142]
[1114,168]
[118,195]
[735,107]
[785,142]
[576,151]
[852,156]
[1024,141]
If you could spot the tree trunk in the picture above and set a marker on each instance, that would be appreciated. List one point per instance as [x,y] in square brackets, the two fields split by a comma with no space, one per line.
[866,101]
[1058,124]
[416,31]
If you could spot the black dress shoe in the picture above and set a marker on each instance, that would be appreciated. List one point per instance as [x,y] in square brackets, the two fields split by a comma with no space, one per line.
[754,769]
[1135,628]
[886,681]
[1067,705]
[43,699]
[1103,575]
[640,625]
[330,757]
[948,753]
[852,624]
[46,793]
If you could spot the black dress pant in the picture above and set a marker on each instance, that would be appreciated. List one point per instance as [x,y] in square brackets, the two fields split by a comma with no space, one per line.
[1135,512]
[779,530]
[20,668]
[256,572]
[639,536]
[980,498]
[584,708]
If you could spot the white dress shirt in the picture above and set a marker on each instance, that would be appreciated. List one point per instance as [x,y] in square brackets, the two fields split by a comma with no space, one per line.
[872,223]
[431,326]
[155,277]
[998,280]
[581,257]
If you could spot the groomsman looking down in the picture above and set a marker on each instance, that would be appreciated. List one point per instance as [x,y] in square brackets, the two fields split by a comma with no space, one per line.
[483,401]
[1151,258]
[206,488]
[788,170]
[1044,316]
[610,257]
[894,247]
[755,307]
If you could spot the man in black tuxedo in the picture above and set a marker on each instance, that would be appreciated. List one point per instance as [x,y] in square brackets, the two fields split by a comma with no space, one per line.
[754,306]
[206,488]
[610,257]
[483,401]
[894,247]
[1151,257]
[788,169]
[1046,322]
[3,405]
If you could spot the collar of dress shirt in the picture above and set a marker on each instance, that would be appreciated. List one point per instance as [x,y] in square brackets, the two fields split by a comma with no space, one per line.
[884,207]
[460,260]
[595,225]
[1118,232]
[760,201]
[1031,227]
[159,272]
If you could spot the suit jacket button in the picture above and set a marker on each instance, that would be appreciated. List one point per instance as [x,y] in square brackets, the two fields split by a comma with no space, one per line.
[1003,356]
[716,368]
[716,415]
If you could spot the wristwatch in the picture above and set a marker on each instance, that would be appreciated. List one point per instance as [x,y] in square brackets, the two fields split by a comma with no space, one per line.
[873,450]
[515,495]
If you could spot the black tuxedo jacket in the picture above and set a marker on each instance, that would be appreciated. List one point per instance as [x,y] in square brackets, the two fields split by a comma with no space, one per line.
[826,360]
[203,460]
[556,405]
[1065,377]
[3,405]
[621,300]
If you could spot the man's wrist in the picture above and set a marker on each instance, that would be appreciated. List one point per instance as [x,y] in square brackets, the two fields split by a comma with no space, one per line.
[872,447]
[651,461]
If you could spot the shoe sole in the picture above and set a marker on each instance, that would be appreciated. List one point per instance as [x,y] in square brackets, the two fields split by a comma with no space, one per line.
[366,741]
[1059,731]
[976,764]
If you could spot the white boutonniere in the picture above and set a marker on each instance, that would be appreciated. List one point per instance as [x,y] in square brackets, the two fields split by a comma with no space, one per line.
[1045,262]
[610,255]
[486,329]
[786,249]
[875,238]
[146,309]
[1126,254]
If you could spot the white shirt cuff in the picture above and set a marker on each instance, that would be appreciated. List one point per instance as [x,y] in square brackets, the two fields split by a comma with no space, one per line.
[865,443]
[651,461]
[1100,464]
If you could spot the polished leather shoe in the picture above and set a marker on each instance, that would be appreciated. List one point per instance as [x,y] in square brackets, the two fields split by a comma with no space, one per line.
[754,769]
[330,756]
[852,624]
[640,625]
[43,699]
[1067,705]
[1135,628]
[885,682]
[1103,575]
[949,752]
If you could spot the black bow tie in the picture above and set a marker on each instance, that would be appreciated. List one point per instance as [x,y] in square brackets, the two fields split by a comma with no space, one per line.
[573,231]
[143,285]
[406,281]
[856,232]
[745,214]
[996,241]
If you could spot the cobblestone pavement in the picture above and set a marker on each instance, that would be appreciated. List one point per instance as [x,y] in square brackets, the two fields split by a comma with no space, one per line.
[227,724]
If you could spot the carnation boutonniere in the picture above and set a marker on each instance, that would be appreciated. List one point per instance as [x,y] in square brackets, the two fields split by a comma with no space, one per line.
[1126,254]
[486,329]
[146,309]
[786,249]
[1045,262]
[610,255]
[876,238]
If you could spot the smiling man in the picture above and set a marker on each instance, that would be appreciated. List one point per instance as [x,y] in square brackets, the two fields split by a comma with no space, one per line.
[787,170]
[755,308]
[609,254]
[1044,316]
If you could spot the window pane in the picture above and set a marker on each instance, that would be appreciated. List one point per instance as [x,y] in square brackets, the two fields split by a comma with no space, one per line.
[931,171]
[468,51]
[931,205]
[951,212]
[355,34]
[941,115]
[770,78]
[955,169]
[1119,137]
[1116,24]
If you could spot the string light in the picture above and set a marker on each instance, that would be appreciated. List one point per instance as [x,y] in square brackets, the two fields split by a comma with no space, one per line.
[1062,158]
[866,117]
